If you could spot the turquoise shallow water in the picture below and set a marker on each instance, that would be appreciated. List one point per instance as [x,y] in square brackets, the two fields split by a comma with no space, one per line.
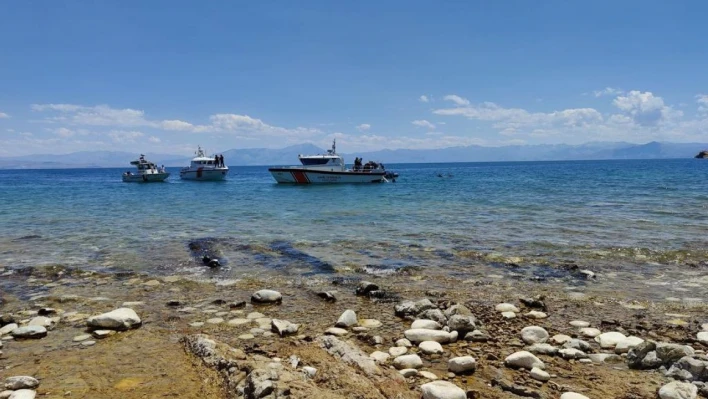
[620,215]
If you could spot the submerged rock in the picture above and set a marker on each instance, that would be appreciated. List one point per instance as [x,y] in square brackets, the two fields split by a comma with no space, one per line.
[267,296]
[119,319]
[29,332]
[366,287]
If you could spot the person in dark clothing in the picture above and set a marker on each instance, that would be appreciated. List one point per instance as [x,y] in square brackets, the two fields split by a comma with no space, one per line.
[216,160]
[221,160]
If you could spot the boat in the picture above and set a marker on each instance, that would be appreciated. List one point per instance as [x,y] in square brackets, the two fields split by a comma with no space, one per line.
[203,167]
[330,168]
[147,172]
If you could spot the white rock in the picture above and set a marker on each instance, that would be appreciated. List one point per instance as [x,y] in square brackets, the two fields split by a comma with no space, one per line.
[255,315]
[609,340]
[579,323]
[380,357]
[462,364]
[426,325]
[678,390]
[347,319]
[119,319]
[560,339]
[430,347]
[370,323]
[215,320]
[534,334]
[572,353]
[5,394]
[590,332]
[408,372]
[284,327]
[336,331]
[704,327]
[309,371]
[453,336]
[29,332]
[239,322]
[403,342]
[442,390]
[397,351]
[267,296]
[543,349]
[407,362]
[535,314]
[573,395]
[703,337]
[508,315]
[8,329]
[538,374]
[628,343]
[101,334]
[47,322]
[428,375]
[420,335]
[23,394]
[21,382]
[523,359]
[506,307]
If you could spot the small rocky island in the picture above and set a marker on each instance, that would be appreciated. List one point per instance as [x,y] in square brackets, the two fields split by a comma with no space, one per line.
[702,154]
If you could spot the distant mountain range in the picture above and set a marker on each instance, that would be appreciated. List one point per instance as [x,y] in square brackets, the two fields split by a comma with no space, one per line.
[288,155]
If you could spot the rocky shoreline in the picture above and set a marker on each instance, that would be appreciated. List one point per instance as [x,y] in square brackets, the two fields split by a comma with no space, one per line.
[70,333]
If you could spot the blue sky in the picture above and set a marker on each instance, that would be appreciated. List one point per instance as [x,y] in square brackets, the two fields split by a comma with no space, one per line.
[164,76]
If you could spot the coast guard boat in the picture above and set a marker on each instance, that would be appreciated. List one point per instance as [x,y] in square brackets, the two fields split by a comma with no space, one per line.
[203,167]
[147,172]
[330,168]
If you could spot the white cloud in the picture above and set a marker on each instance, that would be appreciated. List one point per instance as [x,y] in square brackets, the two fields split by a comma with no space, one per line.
[607,91]
[645,108]
[176,125]
[363,127]
[26,134]
[702,100]
[99,115]
[154,139]
[424,123]
[4,115]
[424,99]
[457,99]
[122,136]
[63,132]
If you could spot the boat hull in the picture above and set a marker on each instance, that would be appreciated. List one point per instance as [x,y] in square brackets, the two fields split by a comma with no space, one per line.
[305,176]
[204,174]
[145,178]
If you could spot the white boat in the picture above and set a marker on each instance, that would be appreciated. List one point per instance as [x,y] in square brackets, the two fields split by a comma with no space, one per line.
[203,167]
[147,172]
[330,168]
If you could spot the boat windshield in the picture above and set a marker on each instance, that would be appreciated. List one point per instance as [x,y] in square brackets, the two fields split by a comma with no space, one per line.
[314,161]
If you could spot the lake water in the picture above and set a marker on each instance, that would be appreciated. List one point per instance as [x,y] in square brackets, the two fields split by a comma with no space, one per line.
[524,220]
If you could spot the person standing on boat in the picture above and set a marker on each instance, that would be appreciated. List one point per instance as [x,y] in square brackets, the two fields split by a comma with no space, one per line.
[221,160]
[216,160]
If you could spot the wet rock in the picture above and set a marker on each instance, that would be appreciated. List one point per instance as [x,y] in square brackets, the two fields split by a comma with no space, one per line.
[669,353]
[426,324]
[515,389]
[420,335]
[689,369]
[523,359]
[237,305]
[579,323]
[239,322]
[560,339]
[347,319]
[215,320]
[572,353]
[284,327]
[626,344]
[46,311]
[605,358]
[462,324]
[462,364]
[442,390]
[430,347]
[577,344]
[174,303]
[534,303]
[101,334]
[433,314]
[6,319]
[476,336]
[267,296]
[82,337]
[506,307]
[609,340]
[543,349]
[678,390]
[407,362]
[366,287]
[636,355]
[457,310]
[702,337]
[21,382]
[428,375]
[23,394]
[534,334]
[327,296]
[508,315]
[29,332]
[534,314]
[119,319]
[408,372]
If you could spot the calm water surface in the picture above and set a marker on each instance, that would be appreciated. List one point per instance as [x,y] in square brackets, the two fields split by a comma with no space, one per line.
[626,219]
